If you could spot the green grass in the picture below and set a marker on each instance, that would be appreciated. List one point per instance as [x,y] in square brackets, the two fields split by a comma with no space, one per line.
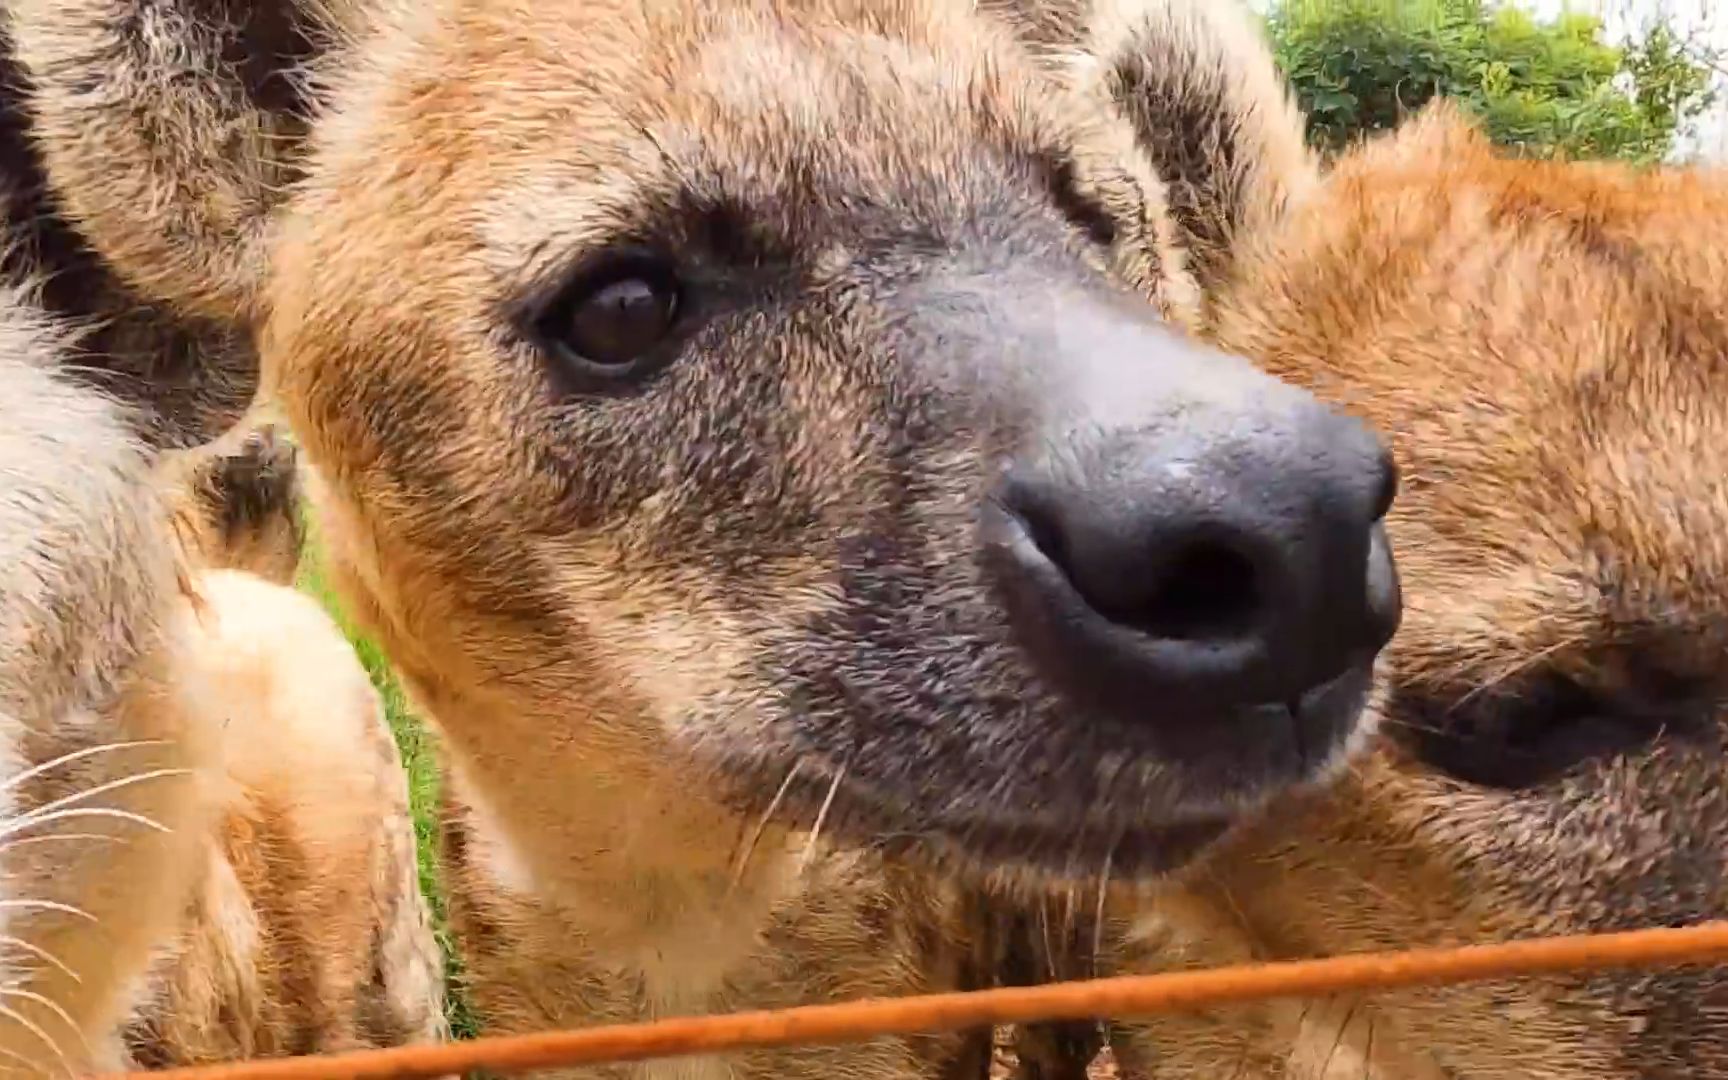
[416,744]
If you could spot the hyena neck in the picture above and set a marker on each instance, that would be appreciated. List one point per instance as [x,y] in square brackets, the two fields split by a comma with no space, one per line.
[649,866]
[593,817]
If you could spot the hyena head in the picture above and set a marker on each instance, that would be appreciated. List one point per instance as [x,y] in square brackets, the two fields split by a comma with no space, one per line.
[797,388]
[1546,347]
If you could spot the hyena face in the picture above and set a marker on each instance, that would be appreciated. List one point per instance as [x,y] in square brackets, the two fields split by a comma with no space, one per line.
[792,382]
[1546,347]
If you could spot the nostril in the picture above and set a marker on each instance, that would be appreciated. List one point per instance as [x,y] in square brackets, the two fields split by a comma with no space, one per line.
[1045,533]
[1177,588]
[1201,592]
[1388,489]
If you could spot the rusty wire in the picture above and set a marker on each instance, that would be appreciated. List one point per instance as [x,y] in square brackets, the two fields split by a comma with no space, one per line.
[1123,996]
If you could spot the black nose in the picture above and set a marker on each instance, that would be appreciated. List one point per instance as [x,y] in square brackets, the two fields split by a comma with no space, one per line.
[1224,554]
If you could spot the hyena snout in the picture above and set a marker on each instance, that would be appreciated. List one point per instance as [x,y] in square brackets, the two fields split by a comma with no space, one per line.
[1188,537]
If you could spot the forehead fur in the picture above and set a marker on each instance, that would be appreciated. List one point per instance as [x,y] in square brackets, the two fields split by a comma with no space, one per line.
[471,112]
[1545,345]
[472,153]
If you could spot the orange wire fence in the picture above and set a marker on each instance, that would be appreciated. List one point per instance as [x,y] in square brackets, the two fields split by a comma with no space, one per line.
[856,1021]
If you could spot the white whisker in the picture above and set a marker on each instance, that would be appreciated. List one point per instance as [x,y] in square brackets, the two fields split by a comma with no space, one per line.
[18,825]
[103,789]
[65,759]
[41,953]
[762,824]
[1044,929]
[821,816]
[45,905]
[1098,913]
[53,1007]
[8,845]
[29,1025]
[31,1065]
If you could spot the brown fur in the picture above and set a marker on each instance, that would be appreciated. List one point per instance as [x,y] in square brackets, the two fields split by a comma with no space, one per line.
[1542,341]
[706,661]
[574,627]
[236,501]
[186,378]
[1545,344]
[206,855]
[592,874]
[1214,121]
[307,932]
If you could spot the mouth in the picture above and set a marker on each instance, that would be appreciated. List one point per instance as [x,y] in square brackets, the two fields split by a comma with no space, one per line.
[1124,838]
[1134,816]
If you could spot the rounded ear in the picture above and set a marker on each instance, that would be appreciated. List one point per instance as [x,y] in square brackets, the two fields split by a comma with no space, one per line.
[1209,108]
[168,130]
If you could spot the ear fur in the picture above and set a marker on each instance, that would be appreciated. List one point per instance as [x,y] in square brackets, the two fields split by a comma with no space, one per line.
[1211,112]
[169,129]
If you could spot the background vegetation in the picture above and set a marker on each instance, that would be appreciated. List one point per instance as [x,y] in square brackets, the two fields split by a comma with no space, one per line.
[1541,87]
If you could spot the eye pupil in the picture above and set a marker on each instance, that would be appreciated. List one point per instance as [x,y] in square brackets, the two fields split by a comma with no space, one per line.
[615,323]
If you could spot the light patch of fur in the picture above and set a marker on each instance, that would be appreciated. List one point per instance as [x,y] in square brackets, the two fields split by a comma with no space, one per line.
[309,933]
[96,844]
[205,854]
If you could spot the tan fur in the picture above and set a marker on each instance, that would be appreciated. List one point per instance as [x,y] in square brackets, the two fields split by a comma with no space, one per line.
[205,853]
[584,607]
[595,873]
[91,650]
[307,932]
[1545,345]
[235,501]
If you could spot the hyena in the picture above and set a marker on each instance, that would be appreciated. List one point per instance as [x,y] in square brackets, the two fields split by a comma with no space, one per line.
[1544,345]
[766,437]
[205,847]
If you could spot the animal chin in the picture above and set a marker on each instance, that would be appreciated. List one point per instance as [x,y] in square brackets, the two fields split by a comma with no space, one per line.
[1101,829]
[1042,858]
[1038,851]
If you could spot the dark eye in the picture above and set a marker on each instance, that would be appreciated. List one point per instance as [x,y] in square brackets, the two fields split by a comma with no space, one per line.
[1524,732]
[611,319]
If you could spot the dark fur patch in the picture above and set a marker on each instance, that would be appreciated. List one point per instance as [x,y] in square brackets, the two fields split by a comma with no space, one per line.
[187,380]
[1187,132]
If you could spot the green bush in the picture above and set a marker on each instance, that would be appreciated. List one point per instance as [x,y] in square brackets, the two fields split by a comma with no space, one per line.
[1544,88]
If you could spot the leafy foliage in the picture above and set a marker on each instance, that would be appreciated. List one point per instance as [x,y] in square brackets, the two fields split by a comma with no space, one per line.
[1544,88]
